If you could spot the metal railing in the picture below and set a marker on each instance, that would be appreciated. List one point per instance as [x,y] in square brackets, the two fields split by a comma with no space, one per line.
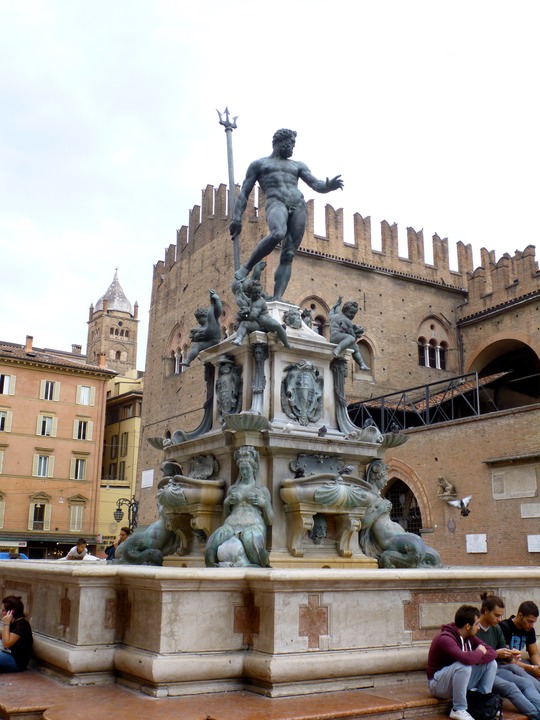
[440,401]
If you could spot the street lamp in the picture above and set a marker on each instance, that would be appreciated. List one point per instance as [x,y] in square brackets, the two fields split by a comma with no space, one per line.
[133,510]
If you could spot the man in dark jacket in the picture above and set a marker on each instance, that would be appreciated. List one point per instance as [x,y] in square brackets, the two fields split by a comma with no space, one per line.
[458,661]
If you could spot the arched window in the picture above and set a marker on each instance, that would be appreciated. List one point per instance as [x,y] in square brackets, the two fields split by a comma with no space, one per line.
[178,356]
[405,510]
[126,333]
[433,353]
[442,355]
[318,324]
[422,354]
[118,355]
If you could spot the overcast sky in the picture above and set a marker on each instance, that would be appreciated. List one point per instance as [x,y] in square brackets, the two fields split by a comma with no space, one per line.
[109,130]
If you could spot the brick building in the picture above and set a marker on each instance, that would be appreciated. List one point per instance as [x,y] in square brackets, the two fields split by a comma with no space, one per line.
[52,407]
[425,323]
[69,434]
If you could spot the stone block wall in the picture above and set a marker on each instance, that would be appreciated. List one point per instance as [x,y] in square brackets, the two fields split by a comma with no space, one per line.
[183,631]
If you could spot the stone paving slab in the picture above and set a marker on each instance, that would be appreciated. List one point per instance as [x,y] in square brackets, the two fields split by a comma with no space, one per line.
[34,696]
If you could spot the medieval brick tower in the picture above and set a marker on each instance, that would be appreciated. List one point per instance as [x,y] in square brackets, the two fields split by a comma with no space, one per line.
[112,329]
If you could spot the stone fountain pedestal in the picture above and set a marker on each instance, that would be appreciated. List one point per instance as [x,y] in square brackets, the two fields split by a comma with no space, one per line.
[285,403]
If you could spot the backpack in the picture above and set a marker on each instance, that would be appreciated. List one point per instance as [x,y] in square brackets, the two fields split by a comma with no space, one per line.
[484,706]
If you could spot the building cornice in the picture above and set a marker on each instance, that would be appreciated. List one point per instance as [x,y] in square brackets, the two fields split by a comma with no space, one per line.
[500,308]
[381,270]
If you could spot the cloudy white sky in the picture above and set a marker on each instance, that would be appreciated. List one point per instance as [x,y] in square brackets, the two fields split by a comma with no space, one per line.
[109,130]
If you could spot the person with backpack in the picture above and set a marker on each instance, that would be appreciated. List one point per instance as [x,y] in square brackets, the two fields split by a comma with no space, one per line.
[458,662]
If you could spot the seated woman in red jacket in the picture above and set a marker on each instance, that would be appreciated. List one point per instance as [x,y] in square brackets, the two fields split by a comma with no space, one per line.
[16,636]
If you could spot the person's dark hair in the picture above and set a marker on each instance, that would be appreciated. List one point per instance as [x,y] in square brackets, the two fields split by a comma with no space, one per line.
[528,607]
[490,602]
[126,530]
[283,134]
[12,602]
[81,541]
[466,615]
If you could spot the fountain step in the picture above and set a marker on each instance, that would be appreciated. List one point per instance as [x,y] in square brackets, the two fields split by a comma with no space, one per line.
[33,695]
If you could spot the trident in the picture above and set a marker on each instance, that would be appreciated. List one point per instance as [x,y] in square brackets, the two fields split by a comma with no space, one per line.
[229,127]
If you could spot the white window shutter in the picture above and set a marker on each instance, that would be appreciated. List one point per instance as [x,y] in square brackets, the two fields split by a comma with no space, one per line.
[78,395]
[89,428]
[9,420]
[12,380]
[51,466]
[35,462]
[1,460]
[38,424]
[75,517]
[2,512]
[42,389]
[54,426]
[31,516]
[92,395]
[72,469]
[47,518]
[56,391]
[75,429]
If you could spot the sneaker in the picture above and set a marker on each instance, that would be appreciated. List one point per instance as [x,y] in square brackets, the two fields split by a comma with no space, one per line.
[460,715]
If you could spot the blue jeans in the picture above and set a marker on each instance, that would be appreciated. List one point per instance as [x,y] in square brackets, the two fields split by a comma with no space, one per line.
[527,700]
[453,681]
[7,663]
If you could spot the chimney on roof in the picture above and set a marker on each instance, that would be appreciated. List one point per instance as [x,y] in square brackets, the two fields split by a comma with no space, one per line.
[102,357]
[29,343]
[76,349]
